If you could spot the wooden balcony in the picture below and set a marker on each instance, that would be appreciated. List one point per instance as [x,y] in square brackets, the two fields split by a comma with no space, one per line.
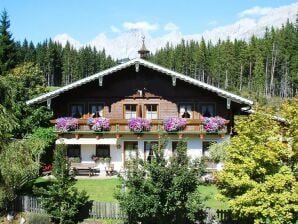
[120,127]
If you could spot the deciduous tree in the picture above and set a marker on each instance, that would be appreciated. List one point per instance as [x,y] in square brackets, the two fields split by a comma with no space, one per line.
[257,177]
[160,190]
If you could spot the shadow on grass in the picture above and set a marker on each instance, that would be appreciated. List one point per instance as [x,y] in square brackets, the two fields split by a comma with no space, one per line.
[27,189]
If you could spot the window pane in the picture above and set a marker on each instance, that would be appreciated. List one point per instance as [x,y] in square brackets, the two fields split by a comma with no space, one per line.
[74,150]
[103,150]
[185,110]
[174,146]
[130,150]
[76,110]
[148,150]
[208,110]
[130,111]
[206,145]
[151,111]
[96,110]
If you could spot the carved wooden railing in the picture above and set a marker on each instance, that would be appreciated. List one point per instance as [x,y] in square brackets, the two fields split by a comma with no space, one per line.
[120,126]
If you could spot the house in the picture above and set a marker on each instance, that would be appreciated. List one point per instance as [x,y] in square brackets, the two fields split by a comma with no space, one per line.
[138,88]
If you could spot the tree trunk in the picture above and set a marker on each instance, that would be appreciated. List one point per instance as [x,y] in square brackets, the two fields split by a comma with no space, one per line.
[274,53]
[241,77]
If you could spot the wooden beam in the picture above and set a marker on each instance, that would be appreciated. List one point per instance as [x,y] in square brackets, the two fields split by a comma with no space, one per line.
[137,65]
[228,103]
[49,102]
[100,80]
[174,80]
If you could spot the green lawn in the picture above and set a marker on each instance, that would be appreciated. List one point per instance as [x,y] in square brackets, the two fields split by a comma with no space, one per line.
[103,190]
[99,190]
[211,191]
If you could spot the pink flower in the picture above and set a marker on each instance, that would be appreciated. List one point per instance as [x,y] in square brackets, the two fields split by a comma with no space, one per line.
[174,124]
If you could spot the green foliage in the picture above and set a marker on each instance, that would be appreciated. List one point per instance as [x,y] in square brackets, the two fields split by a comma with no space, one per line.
[61,200]
[217,151]
[7,45]
[37,218]
[27,81]
[290,113]
[16,161]
[263,66]
[257,178]
[160,190]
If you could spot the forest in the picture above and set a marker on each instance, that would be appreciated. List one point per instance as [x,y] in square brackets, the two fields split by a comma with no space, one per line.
[261,67]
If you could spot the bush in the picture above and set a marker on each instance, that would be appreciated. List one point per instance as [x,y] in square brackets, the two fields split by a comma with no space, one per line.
[38,218]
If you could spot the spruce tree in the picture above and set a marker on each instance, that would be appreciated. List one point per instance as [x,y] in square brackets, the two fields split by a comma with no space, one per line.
[7,45]
[61,200]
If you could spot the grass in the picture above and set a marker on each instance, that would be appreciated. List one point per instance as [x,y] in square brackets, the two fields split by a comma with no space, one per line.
[99,190]
[103,190]
[211,192]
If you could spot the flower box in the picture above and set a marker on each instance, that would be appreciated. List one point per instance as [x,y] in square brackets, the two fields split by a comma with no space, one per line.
[213,124]
[99,124]
[173,124]
[139,124]
[65,124]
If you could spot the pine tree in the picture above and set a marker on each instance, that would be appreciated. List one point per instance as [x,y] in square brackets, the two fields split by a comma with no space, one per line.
[7,45]
[61,200]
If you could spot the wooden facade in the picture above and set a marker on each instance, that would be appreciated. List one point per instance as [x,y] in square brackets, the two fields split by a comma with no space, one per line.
[146,87]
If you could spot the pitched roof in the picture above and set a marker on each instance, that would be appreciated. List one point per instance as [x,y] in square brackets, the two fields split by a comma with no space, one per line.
[147,64]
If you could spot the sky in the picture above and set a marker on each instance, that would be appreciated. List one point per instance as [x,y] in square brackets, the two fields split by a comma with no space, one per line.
[100,21]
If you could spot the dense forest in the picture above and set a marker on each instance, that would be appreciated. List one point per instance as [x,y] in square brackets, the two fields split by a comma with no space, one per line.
[263,66]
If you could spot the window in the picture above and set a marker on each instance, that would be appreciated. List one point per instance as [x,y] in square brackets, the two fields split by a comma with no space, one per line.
[74,150]
[96,110]
[148,150]
[151,111]
[208,109]
[76,110]
[185,110]
[103,151]
[130,111]
[130,150]
[206,145]
[174,146]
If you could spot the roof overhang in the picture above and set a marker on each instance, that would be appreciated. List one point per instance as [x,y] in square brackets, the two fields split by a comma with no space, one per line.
[138,61]
[86,141]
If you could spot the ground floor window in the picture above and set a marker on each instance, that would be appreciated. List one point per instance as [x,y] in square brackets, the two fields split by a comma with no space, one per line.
[130,151]
[148,150]
[206,145]
[73,150]
[103,151]
[174,146]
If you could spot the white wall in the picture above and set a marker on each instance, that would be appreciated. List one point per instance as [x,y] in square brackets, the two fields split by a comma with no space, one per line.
[116,157]
[194,146]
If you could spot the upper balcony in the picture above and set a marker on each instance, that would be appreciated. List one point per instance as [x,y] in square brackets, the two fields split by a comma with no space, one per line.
[120,127]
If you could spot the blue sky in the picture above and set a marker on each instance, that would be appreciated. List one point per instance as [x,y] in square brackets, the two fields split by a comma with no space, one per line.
[37,20]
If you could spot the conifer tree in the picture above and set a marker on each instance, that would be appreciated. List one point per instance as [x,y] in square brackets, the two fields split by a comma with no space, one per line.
[61,200]
[7,45]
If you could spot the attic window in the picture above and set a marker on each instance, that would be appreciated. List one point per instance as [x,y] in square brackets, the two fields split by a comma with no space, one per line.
[76,110]
[185,110]
[130,111]
[207,109]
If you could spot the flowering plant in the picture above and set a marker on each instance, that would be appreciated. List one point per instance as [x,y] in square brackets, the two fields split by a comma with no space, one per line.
[99,123]
[213,124]
[139,124]
[174,124]
[65,124]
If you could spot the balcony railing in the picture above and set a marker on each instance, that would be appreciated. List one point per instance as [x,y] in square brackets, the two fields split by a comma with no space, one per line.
[193,126]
